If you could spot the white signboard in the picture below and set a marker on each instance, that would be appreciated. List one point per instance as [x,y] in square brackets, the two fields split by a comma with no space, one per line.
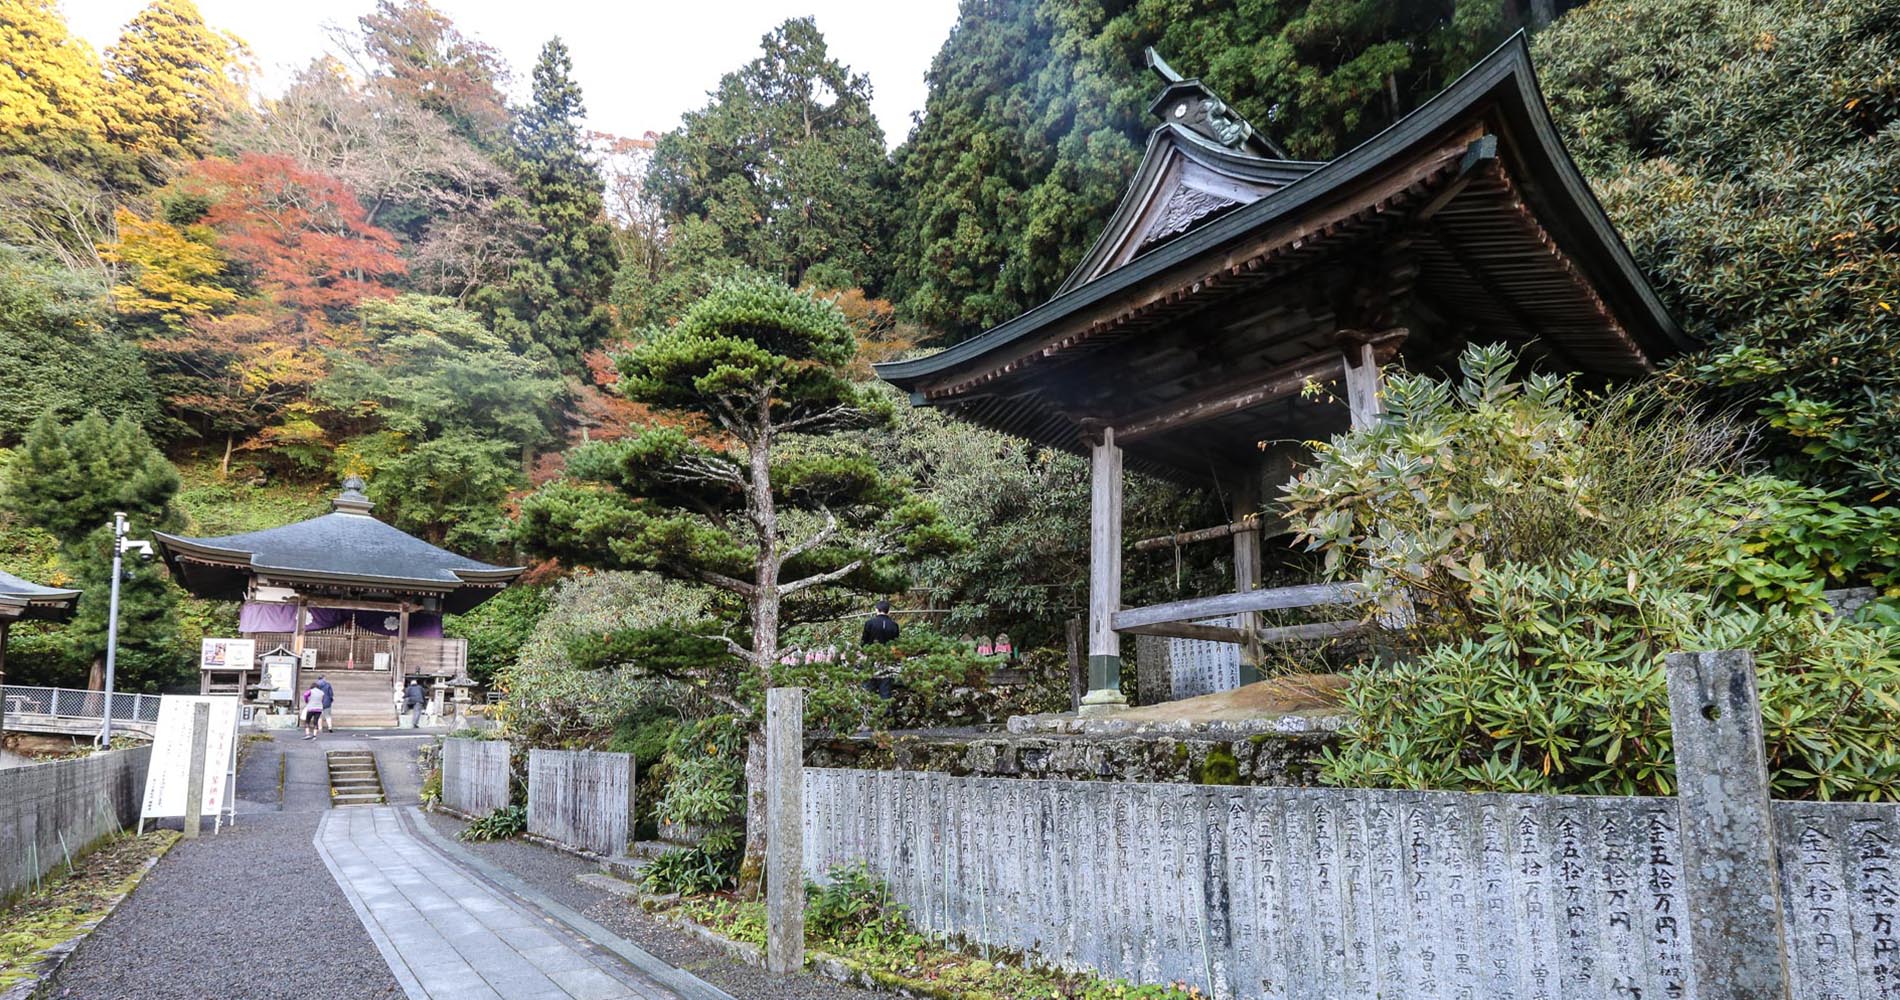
[227,654]
[168,782]
[310,660]
[280,675]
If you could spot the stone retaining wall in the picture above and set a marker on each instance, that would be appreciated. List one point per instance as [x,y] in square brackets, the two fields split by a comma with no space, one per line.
[1321,893]
[582,799]
[52,810]
[474,775]
[1290,892]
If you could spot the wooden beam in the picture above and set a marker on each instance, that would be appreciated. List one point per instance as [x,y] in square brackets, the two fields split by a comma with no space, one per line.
[1275,599]
[1316,631]
[1230,397]
[1255,523]
[1190,630]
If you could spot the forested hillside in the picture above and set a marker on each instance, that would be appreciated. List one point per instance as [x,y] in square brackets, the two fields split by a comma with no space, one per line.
[394,268]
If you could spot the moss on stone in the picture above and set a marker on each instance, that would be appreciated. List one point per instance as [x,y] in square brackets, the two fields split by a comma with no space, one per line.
[1219,767]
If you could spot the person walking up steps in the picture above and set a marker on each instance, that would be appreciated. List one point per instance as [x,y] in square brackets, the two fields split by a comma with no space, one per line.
[412,699]
[312,711]
[329,702]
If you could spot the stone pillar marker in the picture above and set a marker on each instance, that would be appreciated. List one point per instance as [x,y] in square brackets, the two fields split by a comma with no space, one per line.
[195,780]
[784,829]
[1736,934]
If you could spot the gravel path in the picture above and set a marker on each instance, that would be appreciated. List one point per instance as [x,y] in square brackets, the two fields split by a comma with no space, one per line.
[249,913]
[553,873]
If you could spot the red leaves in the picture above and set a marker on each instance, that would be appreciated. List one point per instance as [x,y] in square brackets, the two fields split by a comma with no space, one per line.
[303,233]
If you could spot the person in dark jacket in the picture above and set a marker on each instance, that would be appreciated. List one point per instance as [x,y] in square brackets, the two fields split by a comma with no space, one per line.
[329,702]
[880,630]
[412,699]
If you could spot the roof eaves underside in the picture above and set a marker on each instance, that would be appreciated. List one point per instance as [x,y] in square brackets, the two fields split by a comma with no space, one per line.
[188,557]
[1502,82]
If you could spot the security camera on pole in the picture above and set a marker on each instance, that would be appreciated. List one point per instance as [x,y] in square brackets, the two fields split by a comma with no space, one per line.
[120,546]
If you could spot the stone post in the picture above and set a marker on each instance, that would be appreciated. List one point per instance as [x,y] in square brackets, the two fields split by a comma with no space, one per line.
[195,779]
[784,829]
[1736,936]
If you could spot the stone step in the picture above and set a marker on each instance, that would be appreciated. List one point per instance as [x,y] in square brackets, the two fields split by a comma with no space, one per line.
[368,782]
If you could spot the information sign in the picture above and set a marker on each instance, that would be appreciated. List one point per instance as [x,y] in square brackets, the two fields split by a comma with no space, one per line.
[227,654]
[168,780]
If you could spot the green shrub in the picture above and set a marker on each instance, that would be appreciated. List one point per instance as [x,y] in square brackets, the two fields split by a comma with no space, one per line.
[1546,550]
[1561,689]
[503,823]
[688,871]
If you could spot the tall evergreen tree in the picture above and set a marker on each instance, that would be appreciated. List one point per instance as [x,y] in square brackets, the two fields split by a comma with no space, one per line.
[168,82]
[782,171]
[556,296]
[68,480]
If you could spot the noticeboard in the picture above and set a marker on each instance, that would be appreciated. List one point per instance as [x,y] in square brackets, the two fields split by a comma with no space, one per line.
[227,654]
[168,781]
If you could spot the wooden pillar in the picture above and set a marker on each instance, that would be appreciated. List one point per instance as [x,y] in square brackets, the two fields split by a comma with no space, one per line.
[296,634]
[5,627]
[1105,575]
[1362,384]
[1247,571]
[396,669]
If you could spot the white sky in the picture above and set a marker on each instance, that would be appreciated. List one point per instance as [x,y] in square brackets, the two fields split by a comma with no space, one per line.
[640,64]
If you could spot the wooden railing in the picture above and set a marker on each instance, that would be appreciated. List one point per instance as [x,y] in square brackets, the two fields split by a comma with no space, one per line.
[1180,619]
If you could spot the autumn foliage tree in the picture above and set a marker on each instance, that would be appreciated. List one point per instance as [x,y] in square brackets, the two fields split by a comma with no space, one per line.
[169,80]
[302,234]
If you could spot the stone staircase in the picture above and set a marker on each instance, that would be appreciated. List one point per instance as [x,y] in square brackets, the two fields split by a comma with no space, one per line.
[365,699]
[353,778]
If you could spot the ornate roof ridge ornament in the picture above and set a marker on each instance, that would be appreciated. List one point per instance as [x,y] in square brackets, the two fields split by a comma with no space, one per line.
[352,500]
[1188,103]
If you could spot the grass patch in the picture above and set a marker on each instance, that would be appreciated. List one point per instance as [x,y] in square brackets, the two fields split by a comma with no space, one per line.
[854,921]
[70,900]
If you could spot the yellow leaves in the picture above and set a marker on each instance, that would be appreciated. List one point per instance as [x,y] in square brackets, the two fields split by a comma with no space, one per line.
[171,274]
[170,80]
[49,81]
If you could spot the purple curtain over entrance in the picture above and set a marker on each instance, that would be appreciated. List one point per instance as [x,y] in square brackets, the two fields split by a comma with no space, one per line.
[256,617]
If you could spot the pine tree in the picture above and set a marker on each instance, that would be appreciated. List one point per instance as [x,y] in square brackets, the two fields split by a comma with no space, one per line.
[773,505]
[556,296]
[168,83]
[68,480]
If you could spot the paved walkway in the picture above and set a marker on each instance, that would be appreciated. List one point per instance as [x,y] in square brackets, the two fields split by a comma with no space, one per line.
[447,933]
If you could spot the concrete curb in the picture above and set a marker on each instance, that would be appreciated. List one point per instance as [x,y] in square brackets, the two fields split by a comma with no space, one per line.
[684,983]
[56,956]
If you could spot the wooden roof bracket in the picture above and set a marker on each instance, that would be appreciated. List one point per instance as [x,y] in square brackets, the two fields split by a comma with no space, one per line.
[1480,155]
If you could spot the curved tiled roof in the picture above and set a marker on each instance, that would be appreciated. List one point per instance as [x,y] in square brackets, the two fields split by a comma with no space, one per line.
[23,599]
[346,548]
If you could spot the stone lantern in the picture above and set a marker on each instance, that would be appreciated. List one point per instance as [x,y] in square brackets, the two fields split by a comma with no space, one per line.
[461,683]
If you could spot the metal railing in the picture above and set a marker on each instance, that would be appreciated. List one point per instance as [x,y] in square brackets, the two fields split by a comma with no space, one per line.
[71,703]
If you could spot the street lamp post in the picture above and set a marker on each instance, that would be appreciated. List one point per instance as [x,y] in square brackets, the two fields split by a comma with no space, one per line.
[120,546]
[112,625]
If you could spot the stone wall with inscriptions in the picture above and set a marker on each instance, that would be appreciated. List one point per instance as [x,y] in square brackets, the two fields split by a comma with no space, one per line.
[1306,892]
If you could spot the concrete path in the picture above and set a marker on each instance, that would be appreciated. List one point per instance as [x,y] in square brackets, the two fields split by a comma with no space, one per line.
[447,933]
